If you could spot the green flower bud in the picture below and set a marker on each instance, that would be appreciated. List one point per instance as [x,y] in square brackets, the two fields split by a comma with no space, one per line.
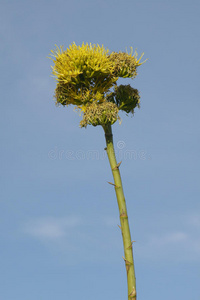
[125,97]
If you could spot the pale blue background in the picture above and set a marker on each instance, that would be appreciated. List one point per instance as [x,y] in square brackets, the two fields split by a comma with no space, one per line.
[58,229]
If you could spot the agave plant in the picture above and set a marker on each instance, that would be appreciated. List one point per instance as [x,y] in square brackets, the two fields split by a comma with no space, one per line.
[87,77]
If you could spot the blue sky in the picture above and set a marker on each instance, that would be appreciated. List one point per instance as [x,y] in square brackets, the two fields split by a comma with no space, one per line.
[59,234]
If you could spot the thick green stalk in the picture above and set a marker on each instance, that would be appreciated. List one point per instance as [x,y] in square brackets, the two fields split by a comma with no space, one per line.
[128,252]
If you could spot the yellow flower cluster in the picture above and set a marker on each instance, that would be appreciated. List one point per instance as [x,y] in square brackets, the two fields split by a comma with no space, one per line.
[85,74]
[89,60]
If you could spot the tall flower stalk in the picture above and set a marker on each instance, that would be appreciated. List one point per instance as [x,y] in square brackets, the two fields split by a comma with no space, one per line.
[87,78]
[126,235]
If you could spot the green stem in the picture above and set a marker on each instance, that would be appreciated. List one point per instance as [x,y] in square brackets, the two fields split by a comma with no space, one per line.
[128,252]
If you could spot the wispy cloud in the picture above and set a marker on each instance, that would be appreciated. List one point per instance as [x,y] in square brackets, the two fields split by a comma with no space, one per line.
[174,246]
[74,239]
[77,239]
[173,238]
[51,228]
[169,238]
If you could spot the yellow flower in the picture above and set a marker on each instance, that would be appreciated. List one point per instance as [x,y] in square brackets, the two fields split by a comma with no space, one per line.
[85,75]
[125,65]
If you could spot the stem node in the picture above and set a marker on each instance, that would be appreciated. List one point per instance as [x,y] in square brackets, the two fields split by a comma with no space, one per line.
[117,166]
[132,295]
[131,245]
[114,185]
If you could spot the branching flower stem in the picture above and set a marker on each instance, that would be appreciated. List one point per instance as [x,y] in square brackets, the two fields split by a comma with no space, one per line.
[128,252]
[87,77]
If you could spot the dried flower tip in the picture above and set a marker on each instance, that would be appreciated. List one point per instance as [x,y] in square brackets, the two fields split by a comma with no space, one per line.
[100,114]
